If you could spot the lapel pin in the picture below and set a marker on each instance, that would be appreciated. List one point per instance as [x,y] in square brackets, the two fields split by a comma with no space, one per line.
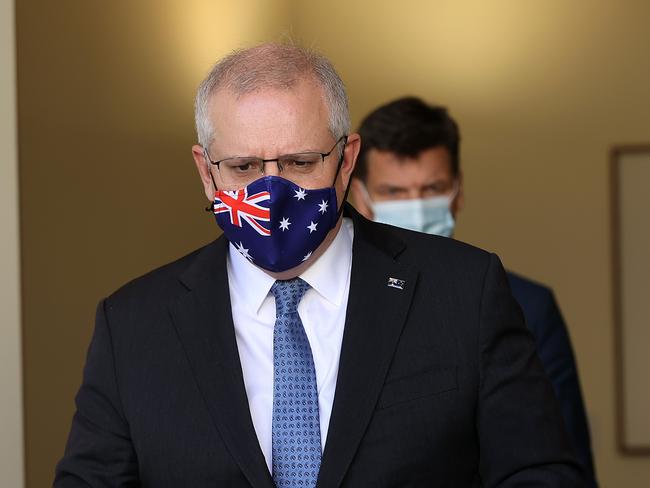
[396,283]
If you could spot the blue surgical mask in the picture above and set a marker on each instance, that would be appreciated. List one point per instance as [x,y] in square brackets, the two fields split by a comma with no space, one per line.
[430,215]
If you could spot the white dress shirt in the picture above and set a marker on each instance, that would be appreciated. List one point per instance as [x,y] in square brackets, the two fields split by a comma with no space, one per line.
[322,311]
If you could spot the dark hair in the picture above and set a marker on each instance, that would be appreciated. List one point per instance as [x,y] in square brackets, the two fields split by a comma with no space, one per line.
[407,127]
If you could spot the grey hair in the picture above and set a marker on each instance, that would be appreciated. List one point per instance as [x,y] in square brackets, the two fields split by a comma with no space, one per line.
[279,66]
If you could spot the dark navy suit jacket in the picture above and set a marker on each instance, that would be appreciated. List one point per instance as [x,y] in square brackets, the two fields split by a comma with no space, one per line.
[554,349]
[438,382]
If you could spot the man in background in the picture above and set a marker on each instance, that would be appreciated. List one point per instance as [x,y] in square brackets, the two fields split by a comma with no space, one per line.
[408,175]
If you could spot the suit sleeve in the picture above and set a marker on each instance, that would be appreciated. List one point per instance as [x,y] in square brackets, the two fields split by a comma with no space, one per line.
[521,434]
[99,451]
[556,354]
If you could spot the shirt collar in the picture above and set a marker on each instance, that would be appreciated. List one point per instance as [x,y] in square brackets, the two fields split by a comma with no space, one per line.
[328,275]
[251,282]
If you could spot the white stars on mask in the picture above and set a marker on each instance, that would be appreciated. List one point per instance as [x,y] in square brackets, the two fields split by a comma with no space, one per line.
[322,206]
[243,251]
[307,256]
[284,224]
[312,226]
[300,194]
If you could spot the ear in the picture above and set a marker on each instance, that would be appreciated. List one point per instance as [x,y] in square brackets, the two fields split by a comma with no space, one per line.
[203,167]
[350,154]
[459,201]
[359,197]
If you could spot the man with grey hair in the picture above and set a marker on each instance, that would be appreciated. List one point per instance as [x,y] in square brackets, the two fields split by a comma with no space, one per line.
[308,346]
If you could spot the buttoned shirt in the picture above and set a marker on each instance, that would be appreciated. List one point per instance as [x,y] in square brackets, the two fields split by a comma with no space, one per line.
[322,312]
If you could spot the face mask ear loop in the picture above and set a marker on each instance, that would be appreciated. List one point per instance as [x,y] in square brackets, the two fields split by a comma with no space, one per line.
[455,193]
[345,197]
[340,163]
[366,195]
[338,170]
[210,208]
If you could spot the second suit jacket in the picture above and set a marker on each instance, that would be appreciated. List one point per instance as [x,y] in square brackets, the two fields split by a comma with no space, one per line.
[554,349]
[438,383]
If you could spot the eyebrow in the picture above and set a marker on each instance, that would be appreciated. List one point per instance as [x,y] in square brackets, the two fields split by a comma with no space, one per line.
[305,151]
[386,186]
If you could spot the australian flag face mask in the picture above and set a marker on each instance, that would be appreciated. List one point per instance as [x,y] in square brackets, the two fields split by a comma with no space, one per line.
[274,223]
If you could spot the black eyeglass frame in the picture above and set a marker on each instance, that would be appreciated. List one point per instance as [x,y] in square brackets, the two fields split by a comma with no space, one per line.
[277,160]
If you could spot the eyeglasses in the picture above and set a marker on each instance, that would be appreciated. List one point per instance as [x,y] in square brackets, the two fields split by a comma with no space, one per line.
[300,168]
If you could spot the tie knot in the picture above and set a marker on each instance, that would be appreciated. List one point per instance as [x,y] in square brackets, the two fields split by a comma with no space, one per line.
[288,294]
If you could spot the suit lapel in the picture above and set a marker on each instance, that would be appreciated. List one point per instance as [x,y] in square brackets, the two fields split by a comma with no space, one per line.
[203,320]
[375,317]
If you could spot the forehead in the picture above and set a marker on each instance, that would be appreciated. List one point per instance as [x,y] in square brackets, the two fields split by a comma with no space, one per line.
[429,165]
[270,119]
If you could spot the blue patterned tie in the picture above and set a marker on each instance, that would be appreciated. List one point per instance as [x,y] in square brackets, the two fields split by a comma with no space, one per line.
[296,425]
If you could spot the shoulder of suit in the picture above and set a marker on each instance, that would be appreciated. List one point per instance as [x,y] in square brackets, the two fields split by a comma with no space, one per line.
[526,285]
[419,248]
[162,280]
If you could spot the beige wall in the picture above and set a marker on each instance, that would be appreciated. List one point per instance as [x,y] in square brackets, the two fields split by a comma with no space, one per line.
[108,185]
[541,90]
[634,278]
[11,413]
